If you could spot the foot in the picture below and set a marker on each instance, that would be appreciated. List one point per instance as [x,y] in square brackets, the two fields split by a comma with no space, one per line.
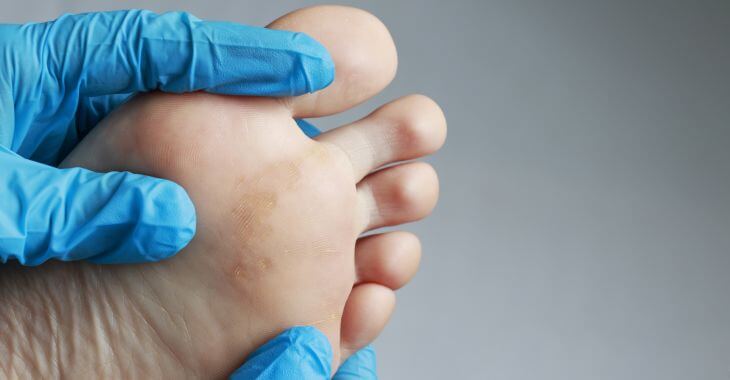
[279,216]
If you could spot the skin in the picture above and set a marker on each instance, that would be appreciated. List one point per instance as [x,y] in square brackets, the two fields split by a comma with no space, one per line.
[279,223]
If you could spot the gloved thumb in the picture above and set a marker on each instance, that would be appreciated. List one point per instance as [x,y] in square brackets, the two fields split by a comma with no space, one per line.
[74,214]
[301,352]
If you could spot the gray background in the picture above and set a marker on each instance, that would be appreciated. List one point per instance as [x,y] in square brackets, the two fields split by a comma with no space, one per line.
[584,226]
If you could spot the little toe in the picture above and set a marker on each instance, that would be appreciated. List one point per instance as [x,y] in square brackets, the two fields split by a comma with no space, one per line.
[404,129]
[361,47]
[390,259]
[399,194]
[367,311]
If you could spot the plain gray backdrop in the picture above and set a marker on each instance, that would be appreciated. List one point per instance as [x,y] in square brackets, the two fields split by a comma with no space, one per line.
[584,224]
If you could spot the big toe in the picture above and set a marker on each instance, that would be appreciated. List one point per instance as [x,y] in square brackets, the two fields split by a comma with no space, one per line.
[361,47]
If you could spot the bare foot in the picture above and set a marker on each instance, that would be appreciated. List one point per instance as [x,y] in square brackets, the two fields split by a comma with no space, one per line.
[279,216]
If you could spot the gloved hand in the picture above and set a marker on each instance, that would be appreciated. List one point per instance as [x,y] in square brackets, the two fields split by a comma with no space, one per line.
[304,353]
[58,79]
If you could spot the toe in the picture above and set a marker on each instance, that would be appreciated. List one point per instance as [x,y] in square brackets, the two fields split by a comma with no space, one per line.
[366,313]
[361,48]
[390,259]
[398,194]
[404,129]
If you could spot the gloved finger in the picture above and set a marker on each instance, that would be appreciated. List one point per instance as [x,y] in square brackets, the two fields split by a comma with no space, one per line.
[310,130]
[93,109]
[361,365]
[73,214]
[126,51]
[297,353]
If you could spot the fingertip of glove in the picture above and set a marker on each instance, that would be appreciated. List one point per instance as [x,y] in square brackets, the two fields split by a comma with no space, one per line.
[308,128]
[159,217]
[316,67]
[167,220]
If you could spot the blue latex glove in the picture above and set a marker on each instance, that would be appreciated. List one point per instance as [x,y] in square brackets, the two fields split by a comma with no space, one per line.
[58,79]
[304,353]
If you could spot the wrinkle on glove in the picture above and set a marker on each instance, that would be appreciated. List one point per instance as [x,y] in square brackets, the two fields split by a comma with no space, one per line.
[74,214]
[297,353]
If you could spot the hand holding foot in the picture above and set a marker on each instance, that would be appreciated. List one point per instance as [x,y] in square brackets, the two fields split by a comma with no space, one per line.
[279,216]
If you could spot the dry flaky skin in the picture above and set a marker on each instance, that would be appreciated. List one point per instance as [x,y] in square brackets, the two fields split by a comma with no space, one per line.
[278,219]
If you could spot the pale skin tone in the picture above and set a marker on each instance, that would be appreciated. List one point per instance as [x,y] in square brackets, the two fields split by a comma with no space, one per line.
[279,223]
